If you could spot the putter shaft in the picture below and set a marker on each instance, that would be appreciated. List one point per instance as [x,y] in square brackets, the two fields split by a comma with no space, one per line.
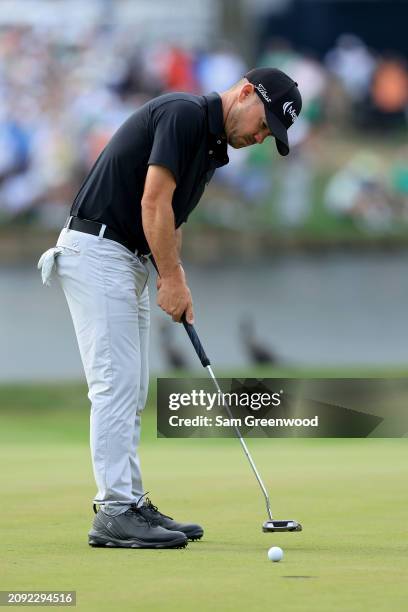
[243,444]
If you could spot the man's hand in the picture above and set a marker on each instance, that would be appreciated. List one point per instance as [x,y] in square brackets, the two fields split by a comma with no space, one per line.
[174,296]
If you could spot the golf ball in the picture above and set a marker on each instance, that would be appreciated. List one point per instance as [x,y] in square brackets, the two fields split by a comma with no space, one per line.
[275,553]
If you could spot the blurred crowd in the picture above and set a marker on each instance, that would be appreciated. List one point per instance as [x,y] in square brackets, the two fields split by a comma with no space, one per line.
[62,95]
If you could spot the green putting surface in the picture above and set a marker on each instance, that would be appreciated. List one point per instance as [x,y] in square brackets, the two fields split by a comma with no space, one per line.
[350,495]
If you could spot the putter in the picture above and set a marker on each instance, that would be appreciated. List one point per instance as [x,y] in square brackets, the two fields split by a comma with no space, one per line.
[271,524]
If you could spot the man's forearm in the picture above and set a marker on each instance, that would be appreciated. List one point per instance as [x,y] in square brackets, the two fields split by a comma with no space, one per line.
[158,226]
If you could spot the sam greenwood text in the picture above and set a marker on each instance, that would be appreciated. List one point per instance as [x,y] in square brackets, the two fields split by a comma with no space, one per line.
[249,421]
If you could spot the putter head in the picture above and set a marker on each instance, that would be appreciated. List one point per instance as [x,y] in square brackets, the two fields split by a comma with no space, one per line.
[281,526]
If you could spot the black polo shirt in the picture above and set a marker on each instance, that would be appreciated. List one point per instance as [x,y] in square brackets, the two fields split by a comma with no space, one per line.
[181,131]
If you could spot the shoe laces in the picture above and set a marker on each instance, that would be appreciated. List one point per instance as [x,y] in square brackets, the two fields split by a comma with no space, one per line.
[149,511]
[134,510]
[140,515]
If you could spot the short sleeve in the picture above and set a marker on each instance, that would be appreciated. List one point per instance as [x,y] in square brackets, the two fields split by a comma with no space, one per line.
[177,132]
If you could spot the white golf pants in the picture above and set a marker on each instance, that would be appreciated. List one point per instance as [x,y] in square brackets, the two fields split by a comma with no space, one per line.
[106,289]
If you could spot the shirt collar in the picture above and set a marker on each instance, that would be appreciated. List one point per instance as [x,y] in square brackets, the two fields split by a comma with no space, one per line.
[215,114]
[217,140]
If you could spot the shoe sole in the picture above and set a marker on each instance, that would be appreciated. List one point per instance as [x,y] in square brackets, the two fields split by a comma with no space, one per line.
[103,542]
[195,536]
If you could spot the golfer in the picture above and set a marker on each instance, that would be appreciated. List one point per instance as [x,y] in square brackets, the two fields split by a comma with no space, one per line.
[131,206]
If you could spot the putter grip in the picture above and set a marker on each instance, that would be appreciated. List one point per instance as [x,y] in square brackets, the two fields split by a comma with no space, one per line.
[195,341]
[192,334]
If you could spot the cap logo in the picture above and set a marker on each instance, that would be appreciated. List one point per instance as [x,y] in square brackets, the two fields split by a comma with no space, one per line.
[263,92]
[287,107]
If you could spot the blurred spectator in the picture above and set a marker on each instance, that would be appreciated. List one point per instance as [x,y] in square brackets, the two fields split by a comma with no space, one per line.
[295,195]
[219,69]
[297,177]
[176,69]
[279,53]
[390,92]
[353,63]
[359,191]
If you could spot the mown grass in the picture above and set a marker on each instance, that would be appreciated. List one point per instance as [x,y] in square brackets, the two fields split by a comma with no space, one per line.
[350,495]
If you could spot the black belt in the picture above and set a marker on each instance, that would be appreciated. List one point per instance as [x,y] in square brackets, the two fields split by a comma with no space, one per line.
[94,228]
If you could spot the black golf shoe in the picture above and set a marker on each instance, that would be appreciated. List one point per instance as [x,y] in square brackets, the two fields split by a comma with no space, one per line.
[132,529]
[152,514]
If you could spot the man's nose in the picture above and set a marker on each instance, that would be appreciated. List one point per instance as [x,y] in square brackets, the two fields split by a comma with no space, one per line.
[260,137]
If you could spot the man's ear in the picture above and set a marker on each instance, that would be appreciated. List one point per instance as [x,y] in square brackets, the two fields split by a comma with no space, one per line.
[246,90]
